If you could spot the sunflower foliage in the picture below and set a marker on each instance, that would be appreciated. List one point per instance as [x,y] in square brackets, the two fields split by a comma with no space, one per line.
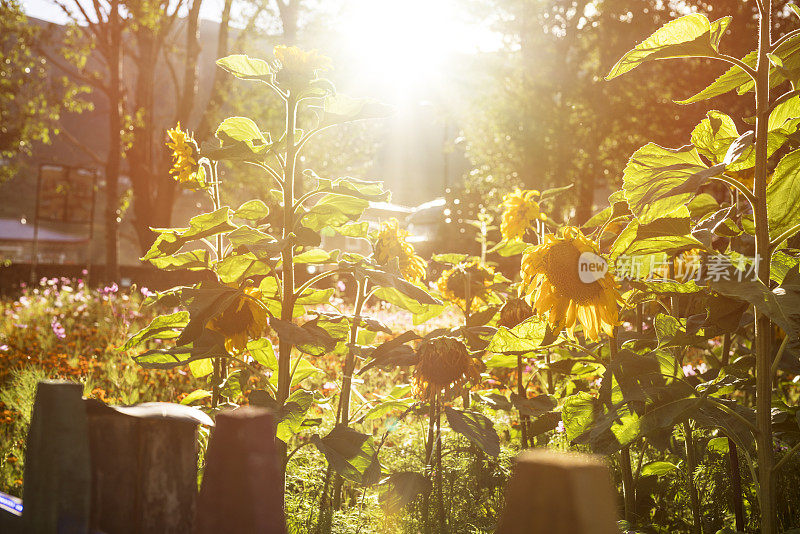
[253,325]
[669,320]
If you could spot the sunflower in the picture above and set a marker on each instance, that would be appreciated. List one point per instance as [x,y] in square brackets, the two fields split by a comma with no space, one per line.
[453,282]
[513,312]
[444,366]
[521,210]
[184,154]
[391,243]
[242,320]
[298,67]
[552,281]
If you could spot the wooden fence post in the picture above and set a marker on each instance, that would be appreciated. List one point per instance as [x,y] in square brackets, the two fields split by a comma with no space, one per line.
[559,493]
[242,488]
[144,467]
[57,478]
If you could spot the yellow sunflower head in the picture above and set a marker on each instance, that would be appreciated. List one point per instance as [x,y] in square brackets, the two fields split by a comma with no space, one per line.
[454,282]
[184,154]
[513,312]
[298,67]
[553,283]
[243,320]
[392,243]
[445,366]
[520,211]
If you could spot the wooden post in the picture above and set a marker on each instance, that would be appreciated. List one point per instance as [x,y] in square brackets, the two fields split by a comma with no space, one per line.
[242,487]
[559,493]
[57,479]
[144,467]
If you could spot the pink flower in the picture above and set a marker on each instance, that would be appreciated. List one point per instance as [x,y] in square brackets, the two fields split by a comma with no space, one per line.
[560,427]
[688,370]
[146,292]
[110,290]
[58,328]
[341,285]
[4,348]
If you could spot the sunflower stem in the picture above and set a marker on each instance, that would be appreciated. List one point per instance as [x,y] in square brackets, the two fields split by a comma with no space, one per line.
[439,490]
[428,464]
[521,391]
[625,456]
[691,466]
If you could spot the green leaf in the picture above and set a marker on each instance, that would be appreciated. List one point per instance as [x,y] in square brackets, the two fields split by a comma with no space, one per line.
[659,181]
[405,287]
[317,255]
[242,130]
[252,210]
[668,235]
[351,454]
[673,331]
[783,195]
[689,36]
[402,488]
[477,427]
[192,260]
[535,406]
[577,412]
[523,338]
[263,352]
[196,395]
[233,269]
[207,345]
[292,414]
[658,468]
[245,67]
[421,312]
[161,327]
[367,190]
[170,240]
[334,210]
[339,109]
[309,338]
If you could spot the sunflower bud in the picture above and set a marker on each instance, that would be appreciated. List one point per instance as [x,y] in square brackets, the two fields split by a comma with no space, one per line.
[391,244]
[242,320]
[297,68]
[521,210]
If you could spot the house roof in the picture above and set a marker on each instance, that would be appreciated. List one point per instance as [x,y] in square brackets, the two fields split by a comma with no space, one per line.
[14,230]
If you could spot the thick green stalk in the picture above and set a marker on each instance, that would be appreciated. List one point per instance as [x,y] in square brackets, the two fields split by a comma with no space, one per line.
[691,466]
[521,391]
[439,483]
[628,490]
[288,298]
[429,464]
[763,331]
[350,360]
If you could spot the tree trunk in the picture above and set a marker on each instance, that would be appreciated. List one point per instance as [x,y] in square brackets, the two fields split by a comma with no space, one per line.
[114,144]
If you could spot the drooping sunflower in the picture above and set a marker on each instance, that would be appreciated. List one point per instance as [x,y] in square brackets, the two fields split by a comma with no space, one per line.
[298,67]
[521,210]
[445,367]
[392,243]
[553,284]
[514,311]
[454,282]
[184,154]
[243,320]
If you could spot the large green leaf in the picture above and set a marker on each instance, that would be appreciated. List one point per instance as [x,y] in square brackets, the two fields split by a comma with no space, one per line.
[339,109]
[668,235]
[191,260]
[162,327]
[783,195]
[245,67]
[252,210]
[351,454]
[368,190]
[689,36]
[309,338]
[736,78]
[658,181]
[234,130]
[334,210]
[208,344]
[170,240]
[292,414]
[477,427]
[523,338]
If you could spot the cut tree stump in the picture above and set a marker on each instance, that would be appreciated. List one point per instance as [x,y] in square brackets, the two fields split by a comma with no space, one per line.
[57,467]
[559,493]
[242,488]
